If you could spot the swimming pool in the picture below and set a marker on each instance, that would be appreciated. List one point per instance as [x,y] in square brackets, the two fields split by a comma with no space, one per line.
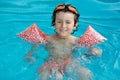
[17,15]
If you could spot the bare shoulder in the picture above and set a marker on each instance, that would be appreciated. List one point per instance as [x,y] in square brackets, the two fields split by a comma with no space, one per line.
[74,38]
[50,37]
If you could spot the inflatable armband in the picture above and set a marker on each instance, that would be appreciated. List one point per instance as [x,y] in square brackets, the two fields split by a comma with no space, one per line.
[90,38]
[33,34]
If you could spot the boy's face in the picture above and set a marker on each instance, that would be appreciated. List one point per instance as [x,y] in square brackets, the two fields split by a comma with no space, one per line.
[64,23]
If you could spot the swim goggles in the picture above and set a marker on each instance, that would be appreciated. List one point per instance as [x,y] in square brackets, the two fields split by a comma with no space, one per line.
[70,8]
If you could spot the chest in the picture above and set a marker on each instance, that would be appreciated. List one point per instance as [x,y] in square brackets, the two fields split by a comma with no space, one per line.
[61,46]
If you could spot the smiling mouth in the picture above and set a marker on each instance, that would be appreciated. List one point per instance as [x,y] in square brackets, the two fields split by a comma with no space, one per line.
[63,30]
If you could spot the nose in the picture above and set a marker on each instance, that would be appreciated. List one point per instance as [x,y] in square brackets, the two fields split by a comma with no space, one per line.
[63,25]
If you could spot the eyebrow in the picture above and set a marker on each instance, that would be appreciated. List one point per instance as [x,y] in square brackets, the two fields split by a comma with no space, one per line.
[58,19]
[61,20]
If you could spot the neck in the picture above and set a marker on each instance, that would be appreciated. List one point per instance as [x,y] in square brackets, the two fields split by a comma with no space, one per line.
[63,37]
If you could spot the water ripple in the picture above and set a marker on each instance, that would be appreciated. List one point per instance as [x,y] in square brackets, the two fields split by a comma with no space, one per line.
[13,5]
[31,3]
[109,1]
[23,20]
[101,18]
[25,13]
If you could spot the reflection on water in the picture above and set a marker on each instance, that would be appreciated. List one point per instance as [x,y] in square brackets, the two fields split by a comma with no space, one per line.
[16,15]
[109,1]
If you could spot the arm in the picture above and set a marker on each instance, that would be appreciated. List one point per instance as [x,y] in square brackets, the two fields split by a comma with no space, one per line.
[28,56]
[34,47]
[95,52]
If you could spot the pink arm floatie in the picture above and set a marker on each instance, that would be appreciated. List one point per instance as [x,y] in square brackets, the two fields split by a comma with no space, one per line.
[33,34]
[91,37]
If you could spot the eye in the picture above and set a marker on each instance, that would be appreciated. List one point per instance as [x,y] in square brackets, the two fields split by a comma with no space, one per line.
[59,21]
[68,22]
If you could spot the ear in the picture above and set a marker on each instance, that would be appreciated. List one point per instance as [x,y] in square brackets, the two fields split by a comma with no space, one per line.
[75,25]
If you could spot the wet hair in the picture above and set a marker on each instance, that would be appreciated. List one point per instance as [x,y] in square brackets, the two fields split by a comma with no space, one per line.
[65,9]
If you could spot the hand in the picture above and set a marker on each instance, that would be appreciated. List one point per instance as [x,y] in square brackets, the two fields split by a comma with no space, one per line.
[96,52]
[30,59]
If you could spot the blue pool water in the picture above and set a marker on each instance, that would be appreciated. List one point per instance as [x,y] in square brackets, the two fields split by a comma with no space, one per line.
[17,15]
